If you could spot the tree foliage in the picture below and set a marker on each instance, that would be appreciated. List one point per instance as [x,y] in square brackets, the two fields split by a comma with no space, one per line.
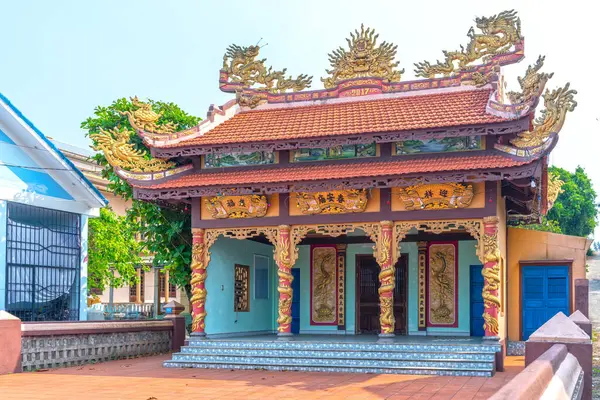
[166,231]
[575,210]
[113,251]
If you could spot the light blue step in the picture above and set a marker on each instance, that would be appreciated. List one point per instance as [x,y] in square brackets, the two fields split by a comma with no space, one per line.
[334,362]
[408,371]
[348,346]
[340,354]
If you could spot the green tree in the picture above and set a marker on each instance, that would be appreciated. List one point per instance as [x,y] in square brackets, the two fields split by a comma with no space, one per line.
[166,230]
[575,210]
[113,251]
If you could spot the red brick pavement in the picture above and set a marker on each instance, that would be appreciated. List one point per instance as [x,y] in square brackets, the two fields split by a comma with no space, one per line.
[146,379]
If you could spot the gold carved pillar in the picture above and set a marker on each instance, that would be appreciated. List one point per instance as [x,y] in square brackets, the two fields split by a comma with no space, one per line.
[197,282]
[384,250]
[341,289]
[491,276]
[283,258]
[422,282]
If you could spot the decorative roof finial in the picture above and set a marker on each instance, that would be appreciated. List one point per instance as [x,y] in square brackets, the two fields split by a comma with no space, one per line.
[532,84]
[498,34]
[363,59]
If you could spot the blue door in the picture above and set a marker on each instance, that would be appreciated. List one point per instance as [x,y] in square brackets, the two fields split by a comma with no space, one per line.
[545,292]
[296,300]
[476,301]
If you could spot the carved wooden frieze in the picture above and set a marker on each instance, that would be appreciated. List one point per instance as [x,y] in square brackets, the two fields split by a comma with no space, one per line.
[332,202]
[442,288]
[437,196]
[249,206]
[323,285]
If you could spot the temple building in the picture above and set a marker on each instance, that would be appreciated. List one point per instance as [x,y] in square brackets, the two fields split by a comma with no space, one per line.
[375,206]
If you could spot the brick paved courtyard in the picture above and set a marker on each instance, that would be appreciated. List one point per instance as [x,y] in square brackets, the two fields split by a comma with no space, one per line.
[146,379]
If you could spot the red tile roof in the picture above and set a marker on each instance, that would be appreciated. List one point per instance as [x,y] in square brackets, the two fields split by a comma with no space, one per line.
[301,173]
[467,107]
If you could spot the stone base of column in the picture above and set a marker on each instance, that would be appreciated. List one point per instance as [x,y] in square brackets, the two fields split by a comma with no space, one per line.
[284,335]
[496,338]
[386,337]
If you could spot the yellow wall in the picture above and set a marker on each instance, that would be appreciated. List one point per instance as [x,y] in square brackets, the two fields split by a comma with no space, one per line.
[118,204]
[501,214]
[526,245]
[272,210]
[373,204]
[478,198]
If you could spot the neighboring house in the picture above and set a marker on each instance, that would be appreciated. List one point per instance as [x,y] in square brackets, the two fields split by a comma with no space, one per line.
[137,292]
[45,202]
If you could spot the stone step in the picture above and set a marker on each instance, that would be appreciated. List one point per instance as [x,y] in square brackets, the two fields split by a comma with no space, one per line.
[280,366]
[345,346]
[341,354]
[335,362]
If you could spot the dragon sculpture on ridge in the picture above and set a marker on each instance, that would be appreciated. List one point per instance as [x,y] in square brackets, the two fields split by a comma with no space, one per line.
[498,34]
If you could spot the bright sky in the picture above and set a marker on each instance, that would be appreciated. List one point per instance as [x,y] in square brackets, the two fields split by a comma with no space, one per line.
[60,59]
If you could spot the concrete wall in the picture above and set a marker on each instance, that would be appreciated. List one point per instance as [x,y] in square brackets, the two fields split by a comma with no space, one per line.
[3,216]
[221,319]
[526,245]
[83,275]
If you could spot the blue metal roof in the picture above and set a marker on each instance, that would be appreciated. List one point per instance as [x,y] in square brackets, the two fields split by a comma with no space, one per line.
[53,147]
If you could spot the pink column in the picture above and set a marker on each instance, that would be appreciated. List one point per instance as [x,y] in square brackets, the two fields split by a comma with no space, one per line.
[491,275]
[284,266]
[198,267]
[386,280]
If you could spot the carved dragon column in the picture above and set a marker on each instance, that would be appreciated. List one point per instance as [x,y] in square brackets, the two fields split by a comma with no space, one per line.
[387,282]
[491,276]
[198,267]
[283,258]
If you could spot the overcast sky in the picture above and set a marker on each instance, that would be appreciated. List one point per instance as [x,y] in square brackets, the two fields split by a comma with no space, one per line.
[60,59]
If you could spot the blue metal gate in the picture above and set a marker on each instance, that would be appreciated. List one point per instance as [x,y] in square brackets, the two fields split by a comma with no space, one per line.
[545,292]
[476,301]
[42,263]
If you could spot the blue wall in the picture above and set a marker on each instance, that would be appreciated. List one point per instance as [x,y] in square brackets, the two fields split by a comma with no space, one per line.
[220,318]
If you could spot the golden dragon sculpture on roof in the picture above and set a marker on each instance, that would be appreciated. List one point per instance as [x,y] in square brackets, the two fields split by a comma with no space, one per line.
[498,34]
[364,59]
[531,84]
[144,118]
[120,152]
[557,102]
[243,67]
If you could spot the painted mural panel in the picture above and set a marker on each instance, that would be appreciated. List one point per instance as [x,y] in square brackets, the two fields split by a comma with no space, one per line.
[442,278]
[335,152]
[238,159]
[323,285]
[450,144]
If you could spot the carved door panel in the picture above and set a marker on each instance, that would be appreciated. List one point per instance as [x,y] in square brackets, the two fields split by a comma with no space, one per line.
[367,296]
[400,298]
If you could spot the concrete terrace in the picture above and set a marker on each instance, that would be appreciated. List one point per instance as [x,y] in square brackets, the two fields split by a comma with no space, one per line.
[146,379]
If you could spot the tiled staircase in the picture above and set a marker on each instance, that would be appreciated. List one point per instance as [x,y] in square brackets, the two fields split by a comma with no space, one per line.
[460,359]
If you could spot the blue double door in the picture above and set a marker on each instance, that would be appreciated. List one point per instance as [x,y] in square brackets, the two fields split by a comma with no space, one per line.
[296,301]
[544,292]
[476,300]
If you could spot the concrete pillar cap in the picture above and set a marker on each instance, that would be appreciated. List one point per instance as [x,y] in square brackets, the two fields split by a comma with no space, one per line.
[5,315]
[173,308]
[578,317]
[559,329]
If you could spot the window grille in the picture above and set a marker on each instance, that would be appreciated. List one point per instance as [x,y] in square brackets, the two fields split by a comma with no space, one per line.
[43,263]
[172,287]
[133,288]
